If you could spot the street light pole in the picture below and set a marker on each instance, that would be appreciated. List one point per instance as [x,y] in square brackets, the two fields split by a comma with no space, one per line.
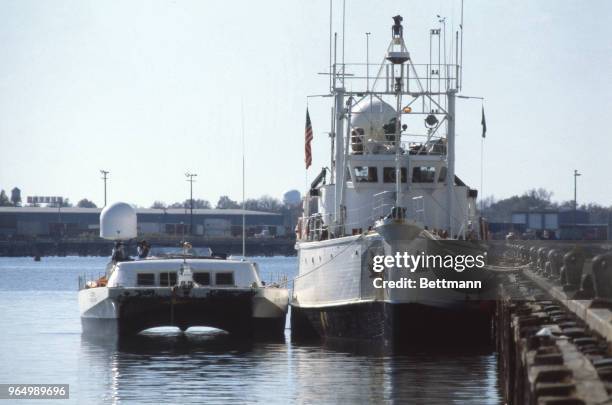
[576,174]
[104,177]
[190,179]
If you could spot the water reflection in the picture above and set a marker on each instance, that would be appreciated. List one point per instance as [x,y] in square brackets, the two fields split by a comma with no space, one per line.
[42,343]
[214,368]
[181,368]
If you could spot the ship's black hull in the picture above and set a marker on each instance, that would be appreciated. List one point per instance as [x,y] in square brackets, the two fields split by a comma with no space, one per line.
[393,324]
[229,311]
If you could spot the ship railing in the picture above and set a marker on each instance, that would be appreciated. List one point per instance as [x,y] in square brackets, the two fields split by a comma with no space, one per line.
[87,280]
[360,145]
[366,215]
[433,78]
[418,208]
[318,226]
[275,279]
[315,227]
[383,204]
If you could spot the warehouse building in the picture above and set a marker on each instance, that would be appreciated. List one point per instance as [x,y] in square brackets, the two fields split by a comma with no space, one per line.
[212,223]
[552,224]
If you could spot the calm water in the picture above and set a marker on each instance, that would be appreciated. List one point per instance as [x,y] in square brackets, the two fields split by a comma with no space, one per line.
[40,342]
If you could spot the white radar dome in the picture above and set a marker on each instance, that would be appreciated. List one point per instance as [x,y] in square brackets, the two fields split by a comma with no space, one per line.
[371,115]
[118,222]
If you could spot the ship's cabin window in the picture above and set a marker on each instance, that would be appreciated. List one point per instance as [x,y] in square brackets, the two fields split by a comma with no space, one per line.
[145,279]
[389,174]
[365,174]
[167,279]
[224,278]
[423,174]
[202,278]
[442,176]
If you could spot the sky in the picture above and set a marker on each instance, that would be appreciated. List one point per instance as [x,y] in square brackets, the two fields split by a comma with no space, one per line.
[150,90]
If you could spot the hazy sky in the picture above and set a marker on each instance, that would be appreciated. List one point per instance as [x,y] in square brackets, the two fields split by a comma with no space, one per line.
[151,89]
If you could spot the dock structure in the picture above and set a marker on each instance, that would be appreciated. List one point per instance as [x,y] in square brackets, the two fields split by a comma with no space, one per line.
[554,324]
[37,247]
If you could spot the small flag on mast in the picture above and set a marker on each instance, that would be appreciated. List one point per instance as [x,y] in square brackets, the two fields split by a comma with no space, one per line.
[308,141]
[483,122]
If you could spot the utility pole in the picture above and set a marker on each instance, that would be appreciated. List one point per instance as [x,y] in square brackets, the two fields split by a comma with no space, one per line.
[243,183]
[104,177]
[576,174]
[368,61]
[190,179]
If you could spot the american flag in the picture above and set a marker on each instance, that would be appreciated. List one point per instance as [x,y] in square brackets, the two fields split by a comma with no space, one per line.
[307,141]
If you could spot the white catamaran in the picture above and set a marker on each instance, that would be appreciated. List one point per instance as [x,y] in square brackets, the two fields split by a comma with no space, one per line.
[391,191]
[185,288]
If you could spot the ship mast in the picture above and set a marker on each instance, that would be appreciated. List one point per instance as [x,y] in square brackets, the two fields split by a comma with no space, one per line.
[339,158]
[397,55]
[450,157]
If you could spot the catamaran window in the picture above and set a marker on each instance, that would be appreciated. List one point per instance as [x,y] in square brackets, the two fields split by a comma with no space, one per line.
[442,176]
[167,279]
[143,279]
[389,174]
[423,174]
[364,174]
[201,278]
[224,278]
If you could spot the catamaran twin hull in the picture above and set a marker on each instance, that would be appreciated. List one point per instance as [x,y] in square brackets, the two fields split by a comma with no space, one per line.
[335,294]
[124,312]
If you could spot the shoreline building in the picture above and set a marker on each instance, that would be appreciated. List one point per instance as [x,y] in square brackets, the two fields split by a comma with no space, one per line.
[552,224]
[170,222]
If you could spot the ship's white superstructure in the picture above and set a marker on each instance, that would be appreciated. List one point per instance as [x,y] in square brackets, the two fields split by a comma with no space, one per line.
[392,188]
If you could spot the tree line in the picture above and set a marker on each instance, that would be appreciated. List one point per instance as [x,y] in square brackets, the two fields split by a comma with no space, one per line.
[291,199]
[491,208]
[14,201]
[263,203]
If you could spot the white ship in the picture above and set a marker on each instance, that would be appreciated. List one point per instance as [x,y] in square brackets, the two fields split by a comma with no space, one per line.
[181,289]
[393,189]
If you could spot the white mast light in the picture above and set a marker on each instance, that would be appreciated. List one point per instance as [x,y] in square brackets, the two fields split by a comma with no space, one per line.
[401,55]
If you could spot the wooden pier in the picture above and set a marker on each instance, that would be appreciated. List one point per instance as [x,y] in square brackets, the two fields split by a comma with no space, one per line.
[554,325]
